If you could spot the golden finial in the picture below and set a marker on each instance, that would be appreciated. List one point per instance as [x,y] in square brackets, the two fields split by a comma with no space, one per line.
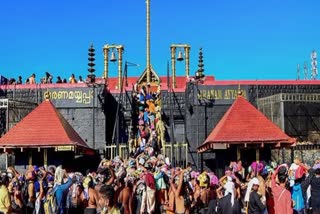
[239,91]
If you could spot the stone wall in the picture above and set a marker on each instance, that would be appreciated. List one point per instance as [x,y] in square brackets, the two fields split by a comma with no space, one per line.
[307,153]
[77,105]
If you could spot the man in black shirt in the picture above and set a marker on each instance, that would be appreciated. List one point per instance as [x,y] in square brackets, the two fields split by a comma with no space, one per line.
[255,204]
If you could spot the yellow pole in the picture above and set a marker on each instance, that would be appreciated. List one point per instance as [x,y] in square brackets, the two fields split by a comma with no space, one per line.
[238,153]
[45,158]
[120,50]
[30,157]
[106,53]
[187,52]
[257,154]
[173,66]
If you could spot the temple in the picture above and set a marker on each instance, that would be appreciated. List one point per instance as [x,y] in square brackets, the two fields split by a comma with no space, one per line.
[97,118]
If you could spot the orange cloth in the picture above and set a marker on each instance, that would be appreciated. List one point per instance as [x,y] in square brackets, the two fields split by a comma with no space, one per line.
[151,106]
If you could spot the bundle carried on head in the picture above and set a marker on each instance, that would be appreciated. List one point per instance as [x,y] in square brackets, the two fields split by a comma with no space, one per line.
[213,179]
[203,180]
[257,167]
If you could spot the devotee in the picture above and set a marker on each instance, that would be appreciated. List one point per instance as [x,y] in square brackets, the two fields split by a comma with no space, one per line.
[255,206]
[72,79]
[32,79]
[5,202]
[281,196]
[106,201]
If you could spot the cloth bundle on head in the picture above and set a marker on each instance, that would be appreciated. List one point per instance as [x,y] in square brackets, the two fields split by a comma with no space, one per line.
[194,174]
[141,122]
[87,182]
[253,181]
[299,172]
[213,179]
[187,176]
[167,161]
[117,159]
[257,167]
[150,151]
[229,189]
[148,165]
[104,162]
[131,163]
[141,161]
[203,180]
[164,168]
[274,164]
[316,166]
[129,179]
[121,172]
[234,166]
[294,167]
[176,180]
[268,169]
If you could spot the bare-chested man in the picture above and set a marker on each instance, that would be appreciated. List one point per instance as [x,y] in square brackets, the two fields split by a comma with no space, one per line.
[91,196]
[179,192]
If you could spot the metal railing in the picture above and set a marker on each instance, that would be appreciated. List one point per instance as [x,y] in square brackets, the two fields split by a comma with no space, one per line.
[180,152]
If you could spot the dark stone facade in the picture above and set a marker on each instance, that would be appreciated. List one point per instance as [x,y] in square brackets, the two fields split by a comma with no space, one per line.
[196,111]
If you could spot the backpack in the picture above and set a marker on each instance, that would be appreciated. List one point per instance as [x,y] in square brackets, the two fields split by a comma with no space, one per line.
[50,205]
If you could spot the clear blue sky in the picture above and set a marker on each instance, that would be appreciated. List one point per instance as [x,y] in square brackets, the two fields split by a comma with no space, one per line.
[241,39]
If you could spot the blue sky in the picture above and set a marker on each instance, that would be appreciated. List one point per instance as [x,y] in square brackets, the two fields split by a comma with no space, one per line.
[245,40]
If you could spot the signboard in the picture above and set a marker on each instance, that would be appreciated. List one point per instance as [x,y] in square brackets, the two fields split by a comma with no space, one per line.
[219,146]
[71,97]
[64,148]
[218,94]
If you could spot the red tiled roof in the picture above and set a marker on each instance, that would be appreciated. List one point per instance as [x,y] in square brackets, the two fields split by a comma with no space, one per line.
[43,127]
[243,123]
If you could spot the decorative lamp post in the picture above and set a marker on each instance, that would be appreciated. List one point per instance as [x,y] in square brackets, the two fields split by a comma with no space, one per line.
[91,75]
[200,72]
[199,78]
[92,83]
